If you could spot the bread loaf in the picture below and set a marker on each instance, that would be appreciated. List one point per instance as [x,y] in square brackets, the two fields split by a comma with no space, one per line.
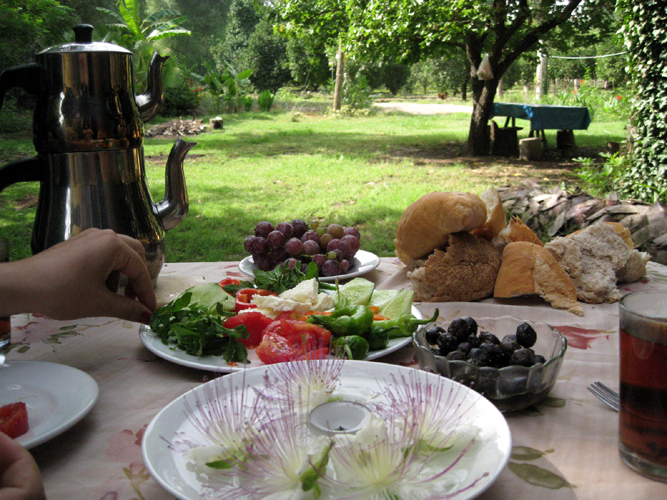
[427,223]
[529,269]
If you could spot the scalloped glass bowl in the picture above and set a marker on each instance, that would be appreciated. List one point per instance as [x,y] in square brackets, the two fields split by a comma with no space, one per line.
[510,388]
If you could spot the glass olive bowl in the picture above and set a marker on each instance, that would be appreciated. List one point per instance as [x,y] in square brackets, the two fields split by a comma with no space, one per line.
[510,388]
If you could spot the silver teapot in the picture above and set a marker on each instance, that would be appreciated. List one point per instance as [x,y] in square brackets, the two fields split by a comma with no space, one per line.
[88,130]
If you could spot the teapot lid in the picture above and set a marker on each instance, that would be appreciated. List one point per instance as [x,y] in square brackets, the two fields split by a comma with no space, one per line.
[83,35]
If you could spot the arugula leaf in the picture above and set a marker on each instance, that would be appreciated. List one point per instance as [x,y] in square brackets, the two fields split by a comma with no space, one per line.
[283,278]
[196,331]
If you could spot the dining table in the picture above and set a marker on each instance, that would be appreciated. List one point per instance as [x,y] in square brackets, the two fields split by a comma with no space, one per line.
[565,447]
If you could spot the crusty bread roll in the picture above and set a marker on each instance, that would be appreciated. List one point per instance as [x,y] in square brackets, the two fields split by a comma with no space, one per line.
[427,223]
[592,257]
[517,230]
[495,215]
[529,269]
[466,270]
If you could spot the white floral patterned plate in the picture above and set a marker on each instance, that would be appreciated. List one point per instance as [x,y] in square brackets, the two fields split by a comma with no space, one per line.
[180,423]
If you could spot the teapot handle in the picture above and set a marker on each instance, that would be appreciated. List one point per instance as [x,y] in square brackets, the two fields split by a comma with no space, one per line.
[30,77]
[26,170]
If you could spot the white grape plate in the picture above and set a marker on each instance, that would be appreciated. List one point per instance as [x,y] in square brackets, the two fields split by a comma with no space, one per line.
[474,473]
[363,262]
[216,364]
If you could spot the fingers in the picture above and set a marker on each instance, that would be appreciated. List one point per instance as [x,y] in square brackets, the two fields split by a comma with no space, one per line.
[132,264]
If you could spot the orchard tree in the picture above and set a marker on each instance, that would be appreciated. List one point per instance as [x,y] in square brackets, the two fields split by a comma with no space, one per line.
[503,29]
[324,20]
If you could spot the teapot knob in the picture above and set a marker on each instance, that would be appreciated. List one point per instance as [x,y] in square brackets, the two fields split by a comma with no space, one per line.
[83,33]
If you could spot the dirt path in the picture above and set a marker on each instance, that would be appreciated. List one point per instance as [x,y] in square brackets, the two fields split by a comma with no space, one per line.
[424,109]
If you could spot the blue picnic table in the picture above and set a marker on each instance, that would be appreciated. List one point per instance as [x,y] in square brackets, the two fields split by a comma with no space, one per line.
[545,117]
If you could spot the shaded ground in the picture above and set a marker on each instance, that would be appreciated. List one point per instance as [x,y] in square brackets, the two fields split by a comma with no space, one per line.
[553,167]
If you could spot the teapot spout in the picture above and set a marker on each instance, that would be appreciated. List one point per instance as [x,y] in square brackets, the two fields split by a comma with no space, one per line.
[174,206]
[150,103]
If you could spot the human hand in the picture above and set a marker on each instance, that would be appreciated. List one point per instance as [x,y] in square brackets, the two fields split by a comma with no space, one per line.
[79,278]
[19,475]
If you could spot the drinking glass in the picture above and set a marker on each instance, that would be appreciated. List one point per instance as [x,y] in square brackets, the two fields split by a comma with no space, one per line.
[643,370]
[5,321]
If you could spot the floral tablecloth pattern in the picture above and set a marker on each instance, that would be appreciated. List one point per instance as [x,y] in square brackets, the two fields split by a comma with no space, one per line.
[564,448]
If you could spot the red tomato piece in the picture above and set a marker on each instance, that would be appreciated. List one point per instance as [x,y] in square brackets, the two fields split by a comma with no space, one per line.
[245,295]
[254,321]
[229,281]
[14,419]
[287,340]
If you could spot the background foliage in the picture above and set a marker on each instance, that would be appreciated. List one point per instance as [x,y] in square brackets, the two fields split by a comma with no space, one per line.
[645,28]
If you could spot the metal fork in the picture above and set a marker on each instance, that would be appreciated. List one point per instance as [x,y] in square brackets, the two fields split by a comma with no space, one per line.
[605,394]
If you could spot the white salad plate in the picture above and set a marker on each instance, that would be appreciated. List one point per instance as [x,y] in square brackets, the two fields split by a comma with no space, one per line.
[216,364]
[471,474]
[56,396]
[363,262]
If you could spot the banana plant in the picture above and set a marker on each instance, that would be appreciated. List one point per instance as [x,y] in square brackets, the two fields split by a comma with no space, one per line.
[139,35]
[227,87]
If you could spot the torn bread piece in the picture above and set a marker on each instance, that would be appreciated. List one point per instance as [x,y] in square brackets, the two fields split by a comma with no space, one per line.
[464,271]
[517,230]
[495,215]
[529,269]
[592,257]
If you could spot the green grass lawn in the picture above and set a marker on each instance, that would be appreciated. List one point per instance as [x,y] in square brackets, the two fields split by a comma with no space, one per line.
[295,163]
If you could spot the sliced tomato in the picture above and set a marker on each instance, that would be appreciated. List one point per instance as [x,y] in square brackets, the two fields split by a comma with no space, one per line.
[228,281]
[287,340]
[254,321]
[14,419]
[245,295]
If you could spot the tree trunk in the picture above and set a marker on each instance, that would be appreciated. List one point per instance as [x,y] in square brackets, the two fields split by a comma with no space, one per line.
[483,93]
[340,73]
[541,76]
[464,89]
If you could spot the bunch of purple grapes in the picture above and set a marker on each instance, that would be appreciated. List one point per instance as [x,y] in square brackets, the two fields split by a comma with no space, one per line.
[332,247]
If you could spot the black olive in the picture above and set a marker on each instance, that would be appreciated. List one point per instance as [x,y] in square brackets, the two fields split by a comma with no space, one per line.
[473,340]
[489,337]
[459,328]
[539,359]
[525,335]
[446,343]
[464,347]
[523,357]
[509,338]
[472,324]
[431,335]
[494,352]
[456,356]
[478,356]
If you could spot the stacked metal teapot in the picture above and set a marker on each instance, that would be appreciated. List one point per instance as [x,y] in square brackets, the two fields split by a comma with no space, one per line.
[88,130]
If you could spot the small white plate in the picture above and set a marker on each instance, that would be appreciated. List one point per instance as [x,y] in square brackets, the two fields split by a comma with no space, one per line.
[363,262]
[56,396]
[479,468]
[216,364]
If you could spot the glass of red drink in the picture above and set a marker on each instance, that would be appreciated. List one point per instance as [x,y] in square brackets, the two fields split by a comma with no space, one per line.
[5,322]
[643,370]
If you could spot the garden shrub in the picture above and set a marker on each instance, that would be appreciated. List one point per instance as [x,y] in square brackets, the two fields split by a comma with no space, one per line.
[179,101]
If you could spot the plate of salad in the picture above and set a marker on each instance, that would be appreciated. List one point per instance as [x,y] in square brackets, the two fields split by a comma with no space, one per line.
[284,315]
